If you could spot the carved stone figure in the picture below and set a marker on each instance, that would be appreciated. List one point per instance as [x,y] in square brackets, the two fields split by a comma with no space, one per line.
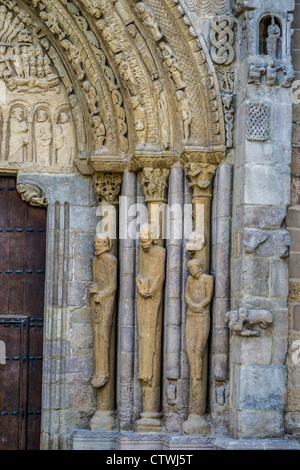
[172,64]
[163,111]
[150,282]
[185,112]
[99,132]
[109,36]
[102,293]
[64,140]
[150,20]
[143,49]
[19,137]
[140,122]
[272,40]
[43,138]
[92,97]
[198,295]
[74,58]
[52,24]
[239,321]
[32,194]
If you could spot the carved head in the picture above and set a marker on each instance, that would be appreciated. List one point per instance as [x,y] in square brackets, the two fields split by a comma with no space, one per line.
[195,268]
[102,244]
[42,115]
[132,30]
[18,113]
[195,242]
[147,236]
[63,117]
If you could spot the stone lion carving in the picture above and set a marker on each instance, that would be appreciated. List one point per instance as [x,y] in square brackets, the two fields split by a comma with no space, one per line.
[239,321]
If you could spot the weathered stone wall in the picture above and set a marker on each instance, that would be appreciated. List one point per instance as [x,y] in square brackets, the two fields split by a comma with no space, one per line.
[293,222]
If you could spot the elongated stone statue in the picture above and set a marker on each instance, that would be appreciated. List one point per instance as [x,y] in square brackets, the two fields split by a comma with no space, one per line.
[198,295]
[150,282]
[102,293]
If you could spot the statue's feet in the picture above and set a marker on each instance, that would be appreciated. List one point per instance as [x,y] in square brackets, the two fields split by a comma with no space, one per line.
[103,421]
[148,422]
[99,382]
[196,425]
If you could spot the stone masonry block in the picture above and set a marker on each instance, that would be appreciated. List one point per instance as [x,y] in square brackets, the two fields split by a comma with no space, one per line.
[259,425]
[255,277]
[260,388]
[251,351]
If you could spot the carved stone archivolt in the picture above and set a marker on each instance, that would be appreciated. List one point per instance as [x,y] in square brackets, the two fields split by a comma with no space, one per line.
[60,47]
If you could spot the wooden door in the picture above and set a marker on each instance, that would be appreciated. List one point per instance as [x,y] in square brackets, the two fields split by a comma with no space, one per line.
[22,279]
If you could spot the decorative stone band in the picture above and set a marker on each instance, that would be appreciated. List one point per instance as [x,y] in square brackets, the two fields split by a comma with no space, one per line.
[239,321]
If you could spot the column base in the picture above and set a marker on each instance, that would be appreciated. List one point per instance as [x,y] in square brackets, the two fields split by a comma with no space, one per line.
[148,422]
[103,420]
[196,425]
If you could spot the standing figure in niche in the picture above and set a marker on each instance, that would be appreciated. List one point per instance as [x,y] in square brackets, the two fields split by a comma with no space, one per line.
[19,138]
[43,138]
[273,38]
[64,140]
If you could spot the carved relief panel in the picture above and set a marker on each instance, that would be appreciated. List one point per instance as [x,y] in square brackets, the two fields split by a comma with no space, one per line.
[37,129]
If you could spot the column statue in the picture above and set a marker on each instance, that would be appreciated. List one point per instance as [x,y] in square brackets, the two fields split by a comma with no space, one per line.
[102,292]
[150,282]
[198,295]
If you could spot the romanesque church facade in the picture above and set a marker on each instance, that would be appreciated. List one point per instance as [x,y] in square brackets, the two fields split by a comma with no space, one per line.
[149,224]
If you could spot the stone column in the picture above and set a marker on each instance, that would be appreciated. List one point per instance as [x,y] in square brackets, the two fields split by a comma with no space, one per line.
[107,186]
[200,169]
[220,268]
[126,321]
[261,196]
[150,278]
[172,400]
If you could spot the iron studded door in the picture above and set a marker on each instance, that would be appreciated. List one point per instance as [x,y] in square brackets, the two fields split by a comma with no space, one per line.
[22,279]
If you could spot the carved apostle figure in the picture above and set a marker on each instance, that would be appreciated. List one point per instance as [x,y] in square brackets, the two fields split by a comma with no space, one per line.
[198,295]
[64,143]
[102,293]
[150,282]
[43,138]
[19,138]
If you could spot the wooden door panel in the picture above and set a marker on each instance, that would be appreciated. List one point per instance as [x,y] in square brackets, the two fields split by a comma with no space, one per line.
[22,280]
[13,396]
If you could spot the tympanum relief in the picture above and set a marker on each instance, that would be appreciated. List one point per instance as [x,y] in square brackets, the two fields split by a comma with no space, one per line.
[36,118]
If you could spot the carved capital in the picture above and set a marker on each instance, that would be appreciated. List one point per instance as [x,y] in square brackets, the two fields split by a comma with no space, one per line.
[32,194]
[155,184]
[153,160]
[201,176]
[107,186]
